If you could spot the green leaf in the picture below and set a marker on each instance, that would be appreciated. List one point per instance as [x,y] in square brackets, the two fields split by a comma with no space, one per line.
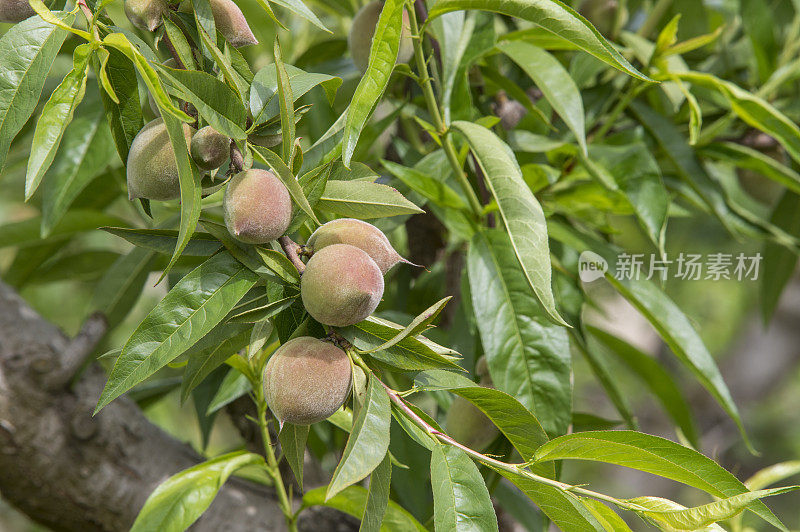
[124,114]
[285,174]
[299,8]
[190,310]
[528,356]
[754,110]
[521,212]
[677,331]
[293,444]
[564,509]
[657,379]
[745,157]
[417,325]
[554,81]
[368,441]
[378,498]
[666,512]
[382,57]
[683,157]
[666,317]
[191,190]
[607,517]
[265,105]
[56,116]
[436,191]
[328,147]
[26,232]
[179,43]
[224,341]
[460,498]
[514,420]
[286,101]
[280,264]
[235,385]
[121,42]
[555,17]
[654,455]
[121,285]
[231,75]
[410,354]
[353,500]
[28,50]
[772,474]
[216,102]
[181,499]
[163,240]
[638,176]
[85,152]
[201,397]
[364,200]
[263,312]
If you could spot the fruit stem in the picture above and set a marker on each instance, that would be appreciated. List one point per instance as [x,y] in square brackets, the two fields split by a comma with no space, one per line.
[424,81]
[272,467]
[292,250]
[515,469]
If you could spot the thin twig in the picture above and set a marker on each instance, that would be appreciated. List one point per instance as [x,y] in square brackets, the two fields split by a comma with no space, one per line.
[237,159]
[515,469]
[292,250]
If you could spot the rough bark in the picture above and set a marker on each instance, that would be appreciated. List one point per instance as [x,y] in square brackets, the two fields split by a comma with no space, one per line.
[74,472]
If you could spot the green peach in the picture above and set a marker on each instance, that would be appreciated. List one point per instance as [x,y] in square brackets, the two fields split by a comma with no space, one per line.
[359,234]
[146,14]
[210,148]
[306,380]
[363,29]
[257,206]
[152,171]
[341,285]
[231,23]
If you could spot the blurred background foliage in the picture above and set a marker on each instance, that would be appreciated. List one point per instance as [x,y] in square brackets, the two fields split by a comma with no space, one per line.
[58,278]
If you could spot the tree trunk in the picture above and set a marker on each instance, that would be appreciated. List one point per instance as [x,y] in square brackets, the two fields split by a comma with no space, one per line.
[74,472]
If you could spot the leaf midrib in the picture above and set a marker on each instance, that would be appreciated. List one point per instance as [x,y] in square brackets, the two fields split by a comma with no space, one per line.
[165,340]
[17,90]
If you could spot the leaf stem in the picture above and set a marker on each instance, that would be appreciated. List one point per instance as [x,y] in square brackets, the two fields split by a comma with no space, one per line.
[436,115]
[623,103]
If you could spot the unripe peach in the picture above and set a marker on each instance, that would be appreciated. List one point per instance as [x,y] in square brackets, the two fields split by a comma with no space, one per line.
[363,29]
[146,14]
[152,170]
[341,285]
[469,426]
[231,23]
[306,380]
[359,234]
[257,206]
[210,148]
[15,10]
